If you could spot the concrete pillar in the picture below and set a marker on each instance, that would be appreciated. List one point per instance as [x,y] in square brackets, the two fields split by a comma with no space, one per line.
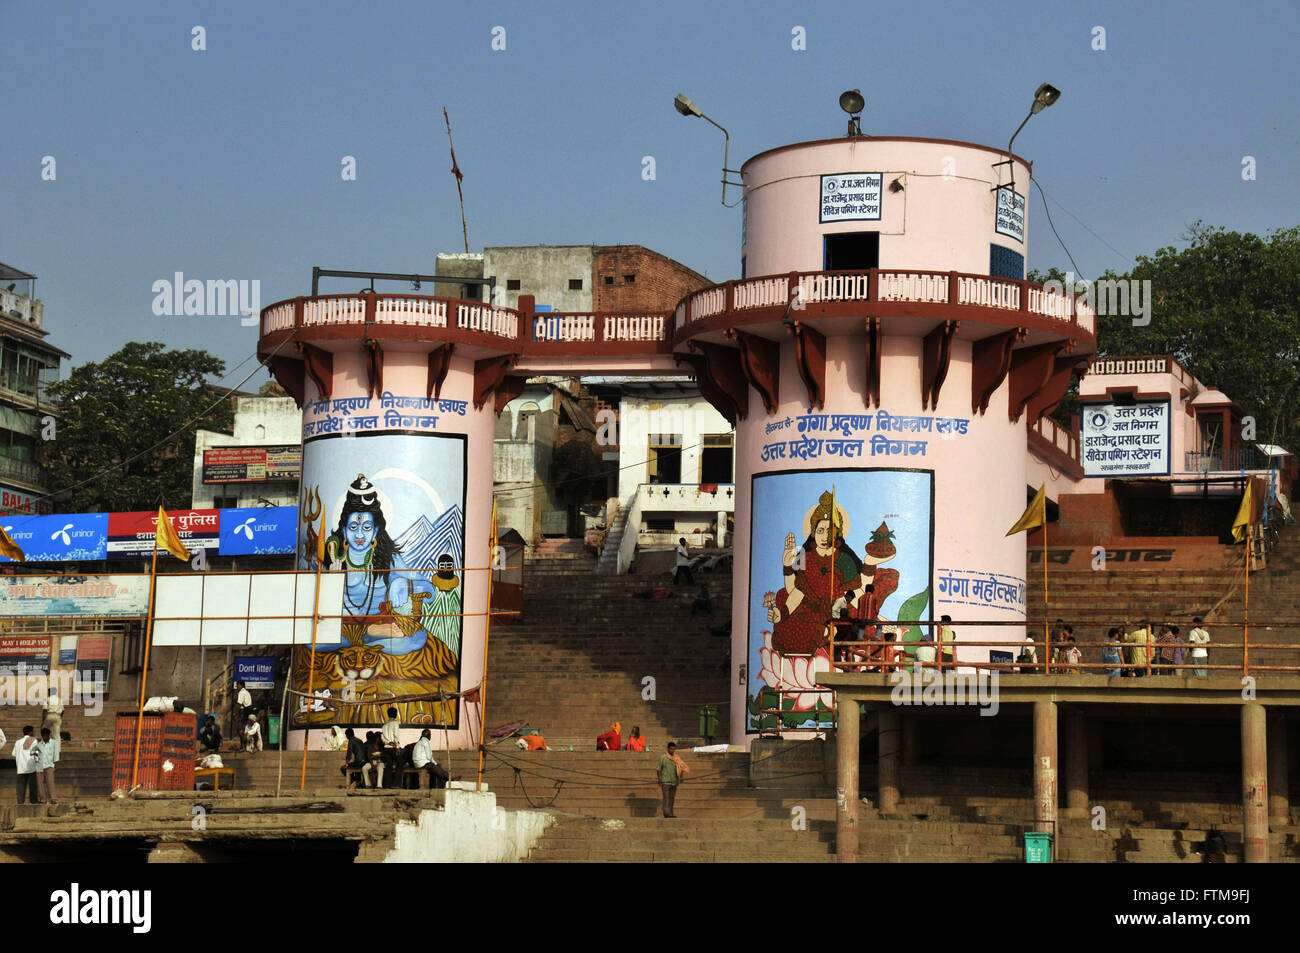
[1076,762]
[1254,783]
[720,536]
[847,798]
[1045,759]
[1279,792]
[911,741]
[889,739]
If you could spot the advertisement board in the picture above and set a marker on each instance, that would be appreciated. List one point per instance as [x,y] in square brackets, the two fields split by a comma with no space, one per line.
[59,538]
[259,531]
[131,535]
[74,597]
[251,464]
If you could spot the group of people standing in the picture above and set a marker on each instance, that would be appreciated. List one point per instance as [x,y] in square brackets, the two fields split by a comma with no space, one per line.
[1133,651]
[36,758]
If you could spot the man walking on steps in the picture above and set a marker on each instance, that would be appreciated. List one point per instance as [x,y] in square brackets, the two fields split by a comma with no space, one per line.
[670,771]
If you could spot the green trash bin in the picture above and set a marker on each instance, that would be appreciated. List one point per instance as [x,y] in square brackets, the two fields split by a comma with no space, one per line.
[1038,847]
[708,723]
[272,729]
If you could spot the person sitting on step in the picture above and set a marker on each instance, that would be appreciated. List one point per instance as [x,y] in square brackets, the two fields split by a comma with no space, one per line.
[637,741]
[611,740]
[422,760]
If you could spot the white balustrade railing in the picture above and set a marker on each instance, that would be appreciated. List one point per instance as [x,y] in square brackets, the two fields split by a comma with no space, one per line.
[486,319]
[818,288]
[760,293]
[278,317]
[634,327]
[333,311]
[425,312]
[988,293]
[564,327]
[707,303]
[903,286]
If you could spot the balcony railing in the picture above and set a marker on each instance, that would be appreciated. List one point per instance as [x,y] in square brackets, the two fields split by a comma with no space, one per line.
[24,470]
[391,309]
[1239,458]
[894,285]
[676,497]
[1059,437]
[547,332]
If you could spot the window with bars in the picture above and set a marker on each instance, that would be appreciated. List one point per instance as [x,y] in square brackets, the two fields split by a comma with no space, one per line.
[1006,263]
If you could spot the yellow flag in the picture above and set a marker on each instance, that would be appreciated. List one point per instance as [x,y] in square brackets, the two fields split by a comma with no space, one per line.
[11,549]
[167,539]
[320,541]
[1241,524]
[1035,515]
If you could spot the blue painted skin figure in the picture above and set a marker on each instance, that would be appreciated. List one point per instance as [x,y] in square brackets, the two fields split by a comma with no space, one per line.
[376,572]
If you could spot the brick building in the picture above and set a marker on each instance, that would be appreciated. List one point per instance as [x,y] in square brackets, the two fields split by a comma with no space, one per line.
[575,278]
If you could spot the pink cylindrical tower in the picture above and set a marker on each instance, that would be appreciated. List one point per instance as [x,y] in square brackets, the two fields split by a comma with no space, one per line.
[880,366]
[398,394]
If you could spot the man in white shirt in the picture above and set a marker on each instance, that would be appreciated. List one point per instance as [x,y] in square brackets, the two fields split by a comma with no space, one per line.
[422,760]
[1199,639]
[47,755]
[391,739]
[683,563]
[243,703]
[25,756]
[252,734]
[53,719]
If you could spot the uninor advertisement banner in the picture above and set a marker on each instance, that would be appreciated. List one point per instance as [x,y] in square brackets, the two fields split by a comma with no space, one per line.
[1126,441]
[59,538]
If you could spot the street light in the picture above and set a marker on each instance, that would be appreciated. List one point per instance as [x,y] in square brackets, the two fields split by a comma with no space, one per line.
[1044,96]
[851,102]
[683,104]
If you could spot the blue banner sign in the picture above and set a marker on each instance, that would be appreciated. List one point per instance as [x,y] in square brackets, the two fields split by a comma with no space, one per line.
[58,538]
[259,531]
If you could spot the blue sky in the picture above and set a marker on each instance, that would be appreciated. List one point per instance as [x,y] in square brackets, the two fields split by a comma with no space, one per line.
[226,163]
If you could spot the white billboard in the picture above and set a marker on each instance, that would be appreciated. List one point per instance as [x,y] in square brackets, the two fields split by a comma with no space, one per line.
[1126,441]
[246,608]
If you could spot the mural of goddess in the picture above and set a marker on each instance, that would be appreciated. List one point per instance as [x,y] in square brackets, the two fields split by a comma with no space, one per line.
[824,581]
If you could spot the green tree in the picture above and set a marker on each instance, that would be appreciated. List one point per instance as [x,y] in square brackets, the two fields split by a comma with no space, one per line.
[125,434]
[1227,307]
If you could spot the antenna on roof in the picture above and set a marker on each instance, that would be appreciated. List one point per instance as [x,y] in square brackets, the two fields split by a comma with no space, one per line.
[455,170]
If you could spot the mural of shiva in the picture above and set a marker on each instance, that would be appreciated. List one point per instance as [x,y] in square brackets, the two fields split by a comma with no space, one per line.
[401,612]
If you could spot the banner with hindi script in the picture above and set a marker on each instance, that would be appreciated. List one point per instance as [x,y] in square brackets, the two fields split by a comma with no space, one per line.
[131,535]
[74,597]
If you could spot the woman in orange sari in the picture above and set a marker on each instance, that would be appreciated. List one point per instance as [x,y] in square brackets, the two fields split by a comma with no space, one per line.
[637,741]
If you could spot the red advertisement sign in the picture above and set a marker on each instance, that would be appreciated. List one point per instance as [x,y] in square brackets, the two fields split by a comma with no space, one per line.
[28,652]
[251,464]
[132,534]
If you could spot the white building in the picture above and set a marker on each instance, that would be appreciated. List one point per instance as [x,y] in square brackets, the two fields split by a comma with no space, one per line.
[268,436]
[676,471]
